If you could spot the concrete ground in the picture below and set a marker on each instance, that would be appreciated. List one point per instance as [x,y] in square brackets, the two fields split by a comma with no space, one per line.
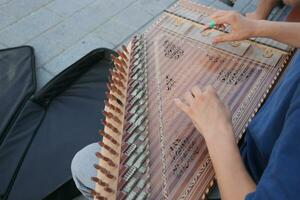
[62,31]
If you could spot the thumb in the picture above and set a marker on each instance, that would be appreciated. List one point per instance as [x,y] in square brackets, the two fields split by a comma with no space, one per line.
[226,37]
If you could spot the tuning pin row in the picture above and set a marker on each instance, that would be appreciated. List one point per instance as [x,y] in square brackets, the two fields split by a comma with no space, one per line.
[114,98]
[104,171]
[113,152]
[114,108]
[106,159]
[111,127]
[109,137]
[112,116]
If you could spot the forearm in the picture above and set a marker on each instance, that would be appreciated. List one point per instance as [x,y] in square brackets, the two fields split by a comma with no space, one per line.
[285,32]
[233,179]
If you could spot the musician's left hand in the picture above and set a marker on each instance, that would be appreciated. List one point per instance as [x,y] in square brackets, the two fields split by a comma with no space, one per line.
[208,113]
[241,27]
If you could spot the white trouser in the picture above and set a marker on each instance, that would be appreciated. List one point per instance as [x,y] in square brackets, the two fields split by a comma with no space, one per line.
[83,169]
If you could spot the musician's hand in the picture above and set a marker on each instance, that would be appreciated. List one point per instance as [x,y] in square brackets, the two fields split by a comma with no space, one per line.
[241,27]
[209,115]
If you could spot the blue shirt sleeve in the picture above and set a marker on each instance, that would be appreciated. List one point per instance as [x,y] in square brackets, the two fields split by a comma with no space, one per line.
[281,178]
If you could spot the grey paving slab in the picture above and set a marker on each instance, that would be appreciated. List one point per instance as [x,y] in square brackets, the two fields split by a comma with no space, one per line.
[6,20]
[29,27]
[74,53]
[20,8]
[241,5]
[249,8]
[114,31]
[46,47]
[42,77]
[154,7]
[136,20]
[2,46]
[66,8]
[221,5]
[3,2]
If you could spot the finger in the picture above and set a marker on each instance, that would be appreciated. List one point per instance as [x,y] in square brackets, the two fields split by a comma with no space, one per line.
[182,106]
[226,37]
[189,98]
[218,13]
[209,89]
[196,91]
[223,20]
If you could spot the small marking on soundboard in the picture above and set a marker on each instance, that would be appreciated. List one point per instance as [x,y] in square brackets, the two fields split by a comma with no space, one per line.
[169,82]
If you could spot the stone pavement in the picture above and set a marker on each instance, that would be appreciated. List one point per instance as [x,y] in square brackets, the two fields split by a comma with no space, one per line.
[62,31]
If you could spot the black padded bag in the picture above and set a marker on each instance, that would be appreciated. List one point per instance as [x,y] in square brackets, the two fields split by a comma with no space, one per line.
[50,127]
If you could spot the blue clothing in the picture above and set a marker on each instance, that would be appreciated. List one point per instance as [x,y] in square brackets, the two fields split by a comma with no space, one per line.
[271,150]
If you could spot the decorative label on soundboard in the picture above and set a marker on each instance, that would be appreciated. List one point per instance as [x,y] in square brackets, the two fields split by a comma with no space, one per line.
[169,82]
[172,51]
[215,58]
[182,152]
[234,76]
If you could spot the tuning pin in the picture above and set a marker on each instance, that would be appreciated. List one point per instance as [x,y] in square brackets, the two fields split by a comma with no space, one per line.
[93,192]
[108,148]
[103,134]
[109,86]
[100,182]
[125,49]
[111,71]
[111,116]
[123,63]
[97,195]
[117,60]
[109,190]
[119,83]
[110,126]
[107,114]
[122,55]
[106,159]
[104,171]
[115,89]
[114,108]
[114,98]
[119,75]
[120,68]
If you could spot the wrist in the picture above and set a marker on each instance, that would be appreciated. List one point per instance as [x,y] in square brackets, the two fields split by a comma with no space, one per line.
[223,132]
[259,28]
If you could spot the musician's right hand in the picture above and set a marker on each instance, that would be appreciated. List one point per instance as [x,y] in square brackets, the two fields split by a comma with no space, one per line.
[210,115]
[241,28]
